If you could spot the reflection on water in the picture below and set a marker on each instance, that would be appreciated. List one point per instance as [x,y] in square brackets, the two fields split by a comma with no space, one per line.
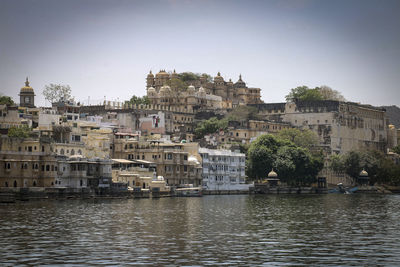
[231,230]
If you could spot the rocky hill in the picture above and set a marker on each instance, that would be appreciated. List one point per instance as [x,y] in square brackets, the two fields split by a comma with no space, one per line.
[393,112]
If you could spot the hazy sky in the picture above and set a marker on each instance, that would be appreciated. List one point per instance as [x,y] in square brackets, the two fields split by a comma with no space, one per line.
[107,47]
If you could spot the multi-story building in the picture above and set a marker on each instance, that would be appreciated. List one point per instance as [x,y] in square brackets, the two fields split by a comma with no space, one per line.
[80,172]
[27,162]
[178,163]
[223,170]
[340,126]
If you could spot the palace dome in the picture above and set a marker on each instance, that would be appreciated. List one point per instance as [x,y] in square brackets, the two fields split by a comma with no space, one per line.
[240,83]
[151,91]
[27,88]
[162,73]
[363,173]
[272,174]
[150,75]
[218,78]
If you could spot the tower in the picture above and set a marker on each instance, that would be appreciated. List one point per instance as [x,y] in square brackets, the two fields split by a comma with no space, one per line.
[27,96]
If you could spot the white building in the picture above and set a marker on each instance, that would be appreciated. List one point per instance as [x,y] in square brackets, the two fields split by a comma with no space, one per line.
[223,170]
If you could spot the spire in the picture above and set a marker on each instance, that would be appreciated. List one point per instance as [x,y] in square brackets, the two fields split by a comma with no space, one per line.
[240,77]
[218,74]
[27,82]
[174,71]
[150,72]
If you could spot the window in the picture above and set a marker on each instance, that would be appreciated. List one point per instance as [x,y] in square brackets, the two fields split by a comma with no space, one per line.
[169,156]
[185,157]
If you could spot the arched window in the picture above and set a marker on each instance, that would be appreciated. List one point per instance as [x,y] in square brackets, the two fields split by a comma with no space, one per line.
[72,152]
[81,182]
[62,151]
[15,183]
[6,184]
[34,183]
[80,152]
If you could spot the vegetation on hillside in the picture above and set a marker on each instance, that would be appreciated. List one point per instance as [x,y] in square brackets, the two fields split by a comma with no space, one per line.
[213,125]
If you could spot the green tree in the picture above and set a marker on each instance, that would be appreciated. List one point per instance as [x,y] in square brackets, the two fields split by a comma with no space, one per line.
[188,77]
[303,93]
[242,113]
[177,84]
[302,138]
[336,163]
[56,92]
[6,100]
[135,100]
[210,126]
[297,93]
[295,165]
[396,149]
[20,132]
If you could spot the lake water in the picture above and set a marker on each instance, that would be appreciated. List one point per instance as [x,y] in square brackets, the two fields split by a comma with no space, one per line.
[213,230]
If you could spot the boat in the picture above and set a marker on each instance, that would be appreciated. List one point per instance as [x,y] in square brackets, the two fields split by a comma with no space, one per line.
[340,189]
[189,192]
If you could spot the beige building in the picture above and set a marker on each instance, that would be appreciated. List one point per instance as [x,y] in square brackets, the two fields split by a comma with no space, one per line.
[232,94]
[26,163]
[178,163]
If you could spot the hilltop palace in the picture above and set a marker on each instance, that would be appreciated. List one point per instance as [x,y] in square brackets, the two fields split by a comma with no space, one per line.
[202,93]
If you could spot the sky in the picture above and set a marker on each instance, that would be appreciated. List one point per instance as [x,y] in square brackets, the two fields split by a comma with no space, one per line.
[104,49]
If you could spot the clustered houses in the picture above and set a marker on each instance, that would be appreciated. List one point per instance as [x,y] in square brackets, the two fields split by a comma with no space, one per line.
[123,146]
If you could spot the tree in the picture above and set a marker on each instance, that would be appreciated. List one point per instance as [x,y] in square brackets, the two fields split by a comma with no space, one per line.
[242,113]
[189,77]
[297,93]
[295,165]
[303,93]
[336,163]
[396,149]
[302,138]
[6,100]
[210,126]
[177,84]
[328,93]
[20,132]
[57,92]
[135,100]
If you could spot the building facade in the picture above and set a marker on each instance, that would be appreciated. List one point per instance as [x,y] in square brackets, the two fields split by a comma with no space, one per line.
[223,170]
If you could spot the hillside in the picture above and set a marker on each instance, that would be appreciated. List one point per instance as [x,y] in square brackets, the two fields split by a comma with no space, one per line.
[393,112]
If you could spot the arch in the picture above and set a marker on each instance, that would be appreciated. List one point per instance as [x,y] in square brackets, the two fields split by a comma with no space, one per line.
[6,184]
[79,152]
[72,152]
[15,183]
[62,151]
[34,183]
